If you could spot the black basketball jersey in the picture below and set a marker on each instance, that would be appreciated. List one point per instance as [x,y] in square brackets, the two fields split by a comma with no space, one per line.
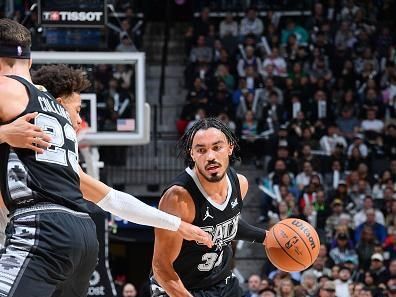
[197,265]
[26,177]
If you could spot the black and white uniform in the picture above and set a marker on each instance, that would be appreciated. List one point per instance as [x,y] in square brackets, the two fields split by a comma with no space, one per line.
[208,271]
[51,247]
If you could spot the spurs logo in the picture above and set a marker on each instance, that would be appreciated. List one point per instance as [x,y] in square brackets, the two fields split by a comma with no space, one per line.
[234,203]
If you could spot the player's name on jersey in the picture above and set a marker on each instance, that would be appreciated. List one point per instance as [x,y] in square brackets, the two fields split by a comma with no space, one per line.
[225,231]
[49,105]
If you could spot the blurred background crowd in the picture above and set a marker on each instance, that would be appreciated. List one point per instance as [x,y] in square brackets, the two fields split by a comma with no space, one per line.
[312,101]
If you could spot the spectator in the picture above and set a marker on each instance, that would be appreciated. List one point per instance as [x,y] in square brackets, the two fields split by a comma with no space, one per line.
[251,24]
[225,119]
[250,60]
[322,211]
[264,94]
[358,142]
[253,79]
[344,36]
[371,124]
[379,229]
[320,71]
[337,208]
[223,74]
[278,63]
[329,142]
[197,97]
[355,159]
[328,289]
[335,177]
[282,153]
[246,103]
[286,288]
[390,140]
[201,53]
[249,133]
[267,292]
[382,183]
[254,283]
[273,111]
[129,290]
[349,11]
[292,29]
[347,123]
[365,247]
[303,178]
[378,268]
[342,251]
[343,282]
[228,27]
[202,24]
[126,44]
[309,283]
[360,217]
[319,269]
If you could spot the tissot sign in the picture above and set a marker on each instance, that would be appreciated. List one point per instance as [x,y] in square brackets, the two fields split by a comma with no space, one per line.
[72,13]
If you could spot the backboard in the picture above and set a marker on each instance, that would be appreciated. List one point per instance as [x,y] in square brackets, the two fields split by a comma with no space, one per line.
[116,118]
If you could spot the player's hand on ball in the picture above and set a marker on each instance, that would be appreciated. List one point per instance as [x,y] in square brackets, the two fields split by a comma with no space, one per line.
[22,134]
[191,232]
[266,236]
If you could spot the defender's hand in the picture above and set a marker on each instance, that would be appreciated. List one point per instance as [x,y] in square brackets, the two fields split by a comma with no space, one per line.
[22,134]
[191,232]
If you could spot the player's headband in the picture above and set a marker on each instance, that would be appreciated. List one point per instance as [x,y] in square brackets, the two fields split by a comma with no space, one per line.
[14,51]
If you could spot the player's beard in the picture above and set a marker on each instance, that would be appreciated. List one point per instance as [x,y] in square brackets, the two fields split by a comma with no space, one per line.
[213,178]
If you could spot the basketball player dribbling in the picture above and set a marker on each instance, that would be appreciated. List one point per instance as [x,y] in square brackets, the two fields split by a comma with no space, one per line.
[51,246]
[209,194]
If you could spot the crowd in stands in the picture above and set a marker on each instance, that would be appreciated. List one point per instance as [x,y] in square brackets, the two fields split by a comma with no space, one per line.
[312,101]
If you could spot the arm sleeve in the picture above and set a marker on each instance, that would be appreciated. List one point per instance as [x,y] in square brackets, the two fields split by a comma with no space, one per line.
[249,233]
[132,209]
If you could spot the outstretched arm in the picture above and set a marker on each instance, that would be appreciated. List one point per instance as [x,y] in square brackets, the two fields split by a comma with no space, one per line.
[132,209]
[176,201]
[246,231]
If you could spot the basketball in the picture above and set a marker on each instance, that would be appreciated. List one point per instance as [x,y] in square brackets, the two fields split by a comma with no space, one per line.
[292,245]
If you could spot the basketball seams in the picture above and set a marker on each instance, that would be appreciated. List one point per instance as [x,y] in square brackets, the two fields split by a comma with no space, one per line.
[310,255]
[285,250]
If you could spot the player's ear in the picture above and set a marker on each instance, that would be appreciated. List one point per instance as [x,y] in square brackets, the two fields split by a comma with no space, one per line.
[59,100]
[191,155]
[230,150]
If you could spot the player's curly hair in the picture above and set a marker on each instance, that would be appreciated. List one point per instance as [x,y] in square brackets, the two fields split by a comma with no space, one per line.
[61,80]
[185,142]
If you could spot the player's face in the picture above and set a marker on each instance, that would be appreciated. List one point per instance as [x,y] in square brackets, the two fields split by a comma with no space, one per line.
[72,104]
[211,152]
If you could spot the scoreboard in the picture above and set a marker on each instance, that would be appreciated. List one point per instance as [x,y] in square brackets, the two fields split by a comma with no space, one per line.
[72,13]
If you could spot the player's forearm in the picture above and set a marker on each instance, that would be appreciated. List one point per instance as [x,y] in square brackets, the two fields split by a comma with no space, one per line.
[249,232]
[170,282]
[132,209]
[3,133]
[92,189]
[125,206]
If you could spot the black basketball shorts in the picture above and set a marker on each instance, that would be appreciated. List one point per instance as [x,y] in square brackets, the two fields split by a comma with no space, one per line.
[50,251]
[226,288]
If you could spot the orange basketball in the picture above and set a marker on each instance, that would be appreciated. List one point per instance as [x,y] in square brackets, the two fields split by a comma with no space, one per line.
[292,245]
